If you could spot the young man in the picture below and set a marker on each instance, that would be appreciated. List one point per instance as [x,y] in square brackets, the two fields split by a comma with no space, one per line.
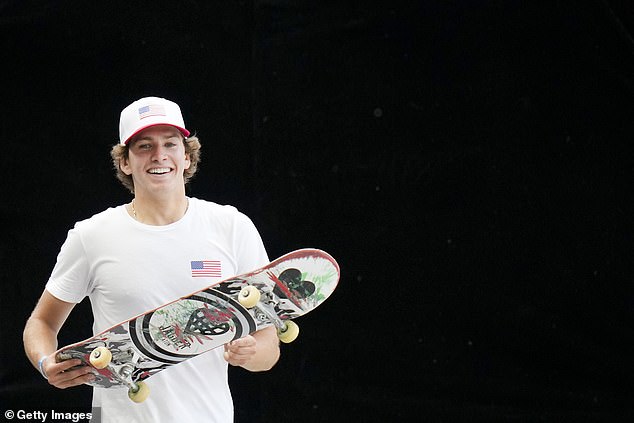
[137,256]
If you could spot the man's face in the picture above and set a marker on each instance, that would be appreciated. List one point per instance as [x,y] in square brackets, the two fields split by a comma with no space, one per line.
[157,159]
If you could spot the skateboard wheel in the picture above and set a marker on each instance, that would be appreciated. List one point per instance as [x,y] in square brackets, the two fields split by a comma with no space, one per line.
[249,296]
[100,357]
[288,334]
[140,394]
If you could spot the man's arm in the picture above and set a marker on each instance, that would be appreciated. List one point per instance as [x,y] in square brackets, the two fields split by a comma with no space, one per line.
[40,341]
[256,352]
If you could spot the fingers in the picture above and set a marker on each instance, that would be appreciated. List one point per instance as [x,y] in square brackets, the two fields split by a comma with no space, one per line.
[240,351]
[67,373]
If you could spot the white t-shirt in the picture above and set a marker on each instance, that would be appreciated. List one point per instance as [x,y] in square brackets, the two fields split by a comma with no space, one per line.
[126,268]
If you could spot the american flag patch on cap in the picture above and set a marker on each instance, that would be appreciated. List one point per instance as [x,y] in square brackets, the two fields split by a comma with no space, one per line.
[151,110]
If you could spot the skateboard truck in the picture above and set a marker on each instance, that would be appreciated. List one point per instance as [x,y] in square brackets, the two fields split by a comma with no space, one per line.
[101,357]
[250,297]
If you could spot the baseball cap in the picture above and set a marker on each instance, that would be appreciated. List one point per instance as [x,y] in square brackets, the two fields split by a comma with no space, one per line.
[146,112]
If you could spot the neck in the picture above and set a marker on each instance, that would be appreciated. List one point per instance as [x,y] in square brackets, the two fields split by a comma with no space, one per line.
[158,212]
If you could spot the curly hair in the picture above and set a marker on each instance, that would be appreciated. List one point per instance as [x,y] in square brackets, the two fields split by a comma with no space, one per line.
[120,152]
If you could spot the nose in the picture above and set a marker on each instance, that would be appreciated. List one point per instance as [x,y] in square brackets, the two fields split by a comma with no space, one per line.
[160,154]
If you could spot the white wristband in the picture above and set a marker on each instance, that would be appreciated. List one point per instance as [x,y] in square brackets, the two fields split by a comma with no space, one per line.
[39,366]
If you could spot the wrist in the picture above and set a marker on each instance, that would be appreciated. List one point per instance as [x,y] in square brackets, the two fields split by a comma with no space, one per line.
[40,366]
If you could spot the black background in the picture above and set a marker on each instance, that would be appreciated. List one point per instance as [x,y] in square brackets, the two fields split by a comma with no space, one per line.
[467,162]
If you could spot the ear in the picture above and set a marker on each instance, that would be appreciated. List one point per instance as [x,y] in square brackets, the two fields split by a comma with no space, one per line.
[188,161]
[124,165]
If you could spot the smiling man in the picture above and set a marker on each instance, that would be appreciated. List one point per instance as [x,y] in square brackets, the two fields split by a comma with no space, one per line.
[140,255]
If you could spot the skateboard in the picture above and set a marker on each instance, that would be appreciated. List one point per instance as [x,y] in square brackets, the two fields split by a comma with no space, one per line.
[125,355]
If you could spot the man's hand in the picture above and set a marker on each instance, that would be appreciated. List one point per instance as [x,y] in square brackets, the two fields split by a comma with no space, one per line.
[240,351]
[256,352]
[62,375]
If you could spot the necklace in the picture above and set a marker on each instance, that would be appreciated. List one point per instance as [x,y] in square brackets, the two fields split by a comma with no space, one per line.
[134,210]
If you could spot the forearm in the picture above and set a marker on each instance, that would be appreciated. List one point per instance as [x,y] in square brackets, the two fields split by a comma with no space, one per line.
[39,340]
[42,327]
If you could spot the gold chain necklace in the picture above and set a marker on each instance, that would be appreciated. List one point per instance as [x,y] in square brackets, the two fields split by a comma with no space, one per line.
[134,210]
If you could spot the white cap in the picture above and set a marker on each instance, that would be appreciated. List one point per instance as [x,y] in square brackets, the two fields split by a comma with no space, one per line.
[146,112]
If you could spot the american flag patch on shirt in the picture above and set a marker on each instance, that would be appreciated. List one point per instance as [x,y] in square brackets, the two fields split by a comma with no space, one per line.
[206,269]
[151,110]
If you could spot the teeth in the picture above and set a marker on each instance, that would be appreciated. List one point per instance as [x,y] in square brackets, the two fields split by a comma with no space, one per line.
[159,170]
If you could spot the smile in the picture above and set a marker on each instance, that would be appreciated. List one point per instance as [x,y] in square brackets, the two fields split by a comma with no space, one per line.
[160,170]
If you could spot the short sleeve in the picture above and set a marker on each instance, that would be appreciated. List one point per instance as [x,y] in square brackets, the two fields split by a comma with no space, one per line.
[70,279]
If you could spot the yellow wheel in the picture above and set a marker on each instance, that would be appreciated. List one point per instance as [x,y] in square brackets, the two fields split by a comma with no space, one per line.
[100,357]
[290,333]
[249,296]
[140,394]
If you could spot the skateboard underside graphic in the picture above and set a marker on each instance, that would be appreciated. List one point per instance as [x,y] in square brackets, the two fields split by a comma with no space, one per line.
[132,351]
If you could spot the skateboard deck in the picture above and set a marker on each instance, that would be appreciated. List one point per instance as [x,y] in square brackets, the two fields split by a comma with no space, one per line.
[144,345]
